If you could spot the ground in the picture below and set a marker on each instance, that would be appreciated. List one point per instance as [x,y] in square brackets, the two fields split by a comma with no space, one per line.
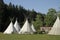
[29,37]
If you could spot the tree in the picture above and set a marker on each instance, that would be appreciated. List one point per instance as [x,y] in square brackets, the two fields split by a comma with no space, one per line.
[39,22]
[33,14]
[50,17]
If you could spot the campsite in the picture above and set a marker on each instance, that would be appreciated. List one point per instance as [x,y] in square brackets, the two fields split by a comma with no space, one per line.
[29,20]
[52,35]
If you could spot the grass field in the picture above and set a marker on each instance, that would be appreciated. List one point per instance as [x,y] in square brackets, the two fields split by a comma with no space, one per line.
[29,37]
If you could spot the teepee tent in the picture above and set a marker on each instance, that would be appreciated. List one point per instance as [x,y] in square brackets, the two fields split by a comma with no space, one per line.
[17,26]
[10,29]
[56,28]
[26,29]
[32,26]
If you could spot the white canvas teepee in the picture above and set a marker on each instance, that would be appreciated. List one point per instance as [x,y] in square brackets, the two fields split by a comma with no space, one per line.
[17,26]
[32,26]
[26,29]
[10,29]
[56,28]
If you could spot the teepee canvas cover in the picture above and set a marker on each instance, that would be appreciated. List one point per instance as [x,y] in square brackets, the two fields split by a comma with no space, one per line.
[32,26]
[56,28]
[17,26]
[10,29]
[26,29]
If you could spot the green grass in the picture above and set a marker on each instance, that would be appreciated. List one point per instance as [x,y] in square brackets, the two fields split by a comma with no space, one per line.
[29,37]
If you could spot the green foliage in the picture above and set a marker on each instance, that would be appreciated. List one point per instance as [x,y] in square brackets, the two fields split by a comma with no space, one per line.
[38,22]
[50,17]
